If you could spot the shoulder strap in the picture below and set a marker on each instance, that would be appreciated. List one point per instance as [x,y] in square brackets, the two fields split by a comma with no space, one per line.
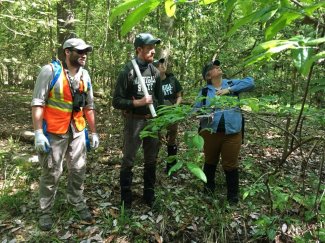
[57,69]
[204,94]
[230,83]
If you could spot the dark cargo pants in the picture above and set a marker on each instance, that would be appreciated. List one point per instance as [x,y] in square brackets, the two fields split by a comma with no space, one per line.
[132,143]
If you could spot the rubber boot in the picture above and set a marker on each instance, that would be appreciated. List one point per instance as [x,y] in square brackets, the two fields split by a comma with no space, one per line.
[210,172]
[149,180]
[232,179]
[171,150]
[126,183]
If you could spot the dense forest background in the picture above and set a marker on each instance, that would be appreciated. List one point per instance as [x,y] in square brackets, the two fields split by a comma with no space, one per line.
[279,43]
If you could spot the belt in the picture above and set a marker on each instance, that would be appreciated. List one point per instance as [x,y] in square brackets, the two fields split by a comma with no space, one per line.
[136,116]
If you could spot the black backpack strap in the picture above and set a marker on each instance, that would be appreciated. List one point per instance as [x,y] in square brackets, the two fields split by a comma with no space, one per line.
[230,83]
[204,94]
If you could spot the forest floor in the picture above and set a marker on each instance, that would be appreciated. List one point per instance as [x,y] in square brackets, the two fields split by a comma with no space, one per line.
[273,207]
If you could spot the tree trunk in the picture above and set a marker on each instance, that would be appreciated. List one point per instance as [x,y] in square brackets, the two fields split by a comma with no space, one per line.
[65,23]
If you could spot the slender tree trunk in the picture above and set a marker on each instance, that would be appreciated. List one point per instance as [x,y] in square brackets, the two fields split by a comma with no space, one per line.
[86,21]
[65,23]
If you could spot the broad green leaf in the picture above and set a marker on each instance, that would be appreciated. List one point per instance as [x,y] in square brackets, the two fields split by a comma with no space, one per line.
[285,4]
[267,16]
[137,15]
[310,9]
[245,6]
[268,45]
[315,42]
[310,61]
[170,8]
[206,2]
[256,58]
[123,7]
[318,81]
[280,23]
[252,18]
[278,49]
[300,56]
[230,5]
[198,141]
[176,167]
[197,171]
[267,49]
[317,88]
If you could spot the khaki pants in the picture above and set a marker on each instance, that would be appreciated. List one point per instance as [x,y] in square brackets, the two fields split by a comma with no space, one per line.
[72,147]
[228,146]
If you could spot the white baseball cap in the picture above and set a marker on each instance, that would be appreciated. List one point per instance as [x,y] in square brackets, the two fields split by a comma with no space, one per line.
[77,43]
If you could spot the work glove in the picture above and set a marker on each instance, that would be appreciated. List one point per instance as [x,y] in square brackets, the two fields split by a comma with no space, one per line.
[41,142]
[95,140]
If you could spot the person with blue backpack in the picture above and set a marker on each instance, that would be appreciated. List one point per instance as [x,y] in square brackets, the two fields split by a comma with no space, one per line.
[62,103]
[221,126]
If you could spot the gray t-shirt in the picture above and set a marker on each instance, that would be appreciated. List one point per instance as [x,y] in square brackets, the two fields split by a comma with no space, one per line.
[42,86]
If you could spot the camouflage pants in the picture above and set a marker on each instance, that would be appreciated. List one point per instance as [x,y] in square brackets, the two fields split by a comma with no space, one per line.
[72,148]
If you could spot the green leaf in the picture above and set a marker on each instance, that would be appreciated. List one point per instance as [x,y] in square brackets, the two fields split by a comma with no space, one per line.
[306,68]
[245,6]
[245,195]
[310,9]
[206,2]
[267,49]
[198,141]
[123,7]
[197,171]
[318,81]
[267,16]
[315,42]
[271,233]
[137,15]
[252,18]
[230,5]
[280,23]
[300,56]
[317,88]
[176,167]
[170,8]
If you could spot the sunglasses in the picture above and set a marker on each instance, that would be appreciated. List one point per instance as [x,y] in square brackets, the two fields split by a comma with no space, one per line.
[80,52]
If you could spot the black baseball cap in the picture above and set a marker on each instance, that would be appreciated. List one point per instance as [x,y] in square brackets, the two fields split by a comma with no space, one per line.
[156,62]
[145,39]
[209,66]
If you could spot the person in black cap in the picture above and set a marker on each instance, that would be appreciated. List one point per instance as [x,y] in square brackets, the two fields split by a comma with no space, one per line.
[221,129]
[172,90]
[129,97]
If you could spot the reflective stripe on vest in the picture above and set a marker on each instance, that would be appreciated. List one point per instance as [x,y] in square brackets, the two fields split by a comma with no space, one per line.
[58,109]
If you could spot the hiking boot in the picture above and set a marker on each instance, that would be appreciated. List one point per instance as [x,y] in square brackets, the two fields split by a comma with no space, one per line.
[45,222]
[232,180]
[210,172]
[126,176]
[85,215]
[149,179]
